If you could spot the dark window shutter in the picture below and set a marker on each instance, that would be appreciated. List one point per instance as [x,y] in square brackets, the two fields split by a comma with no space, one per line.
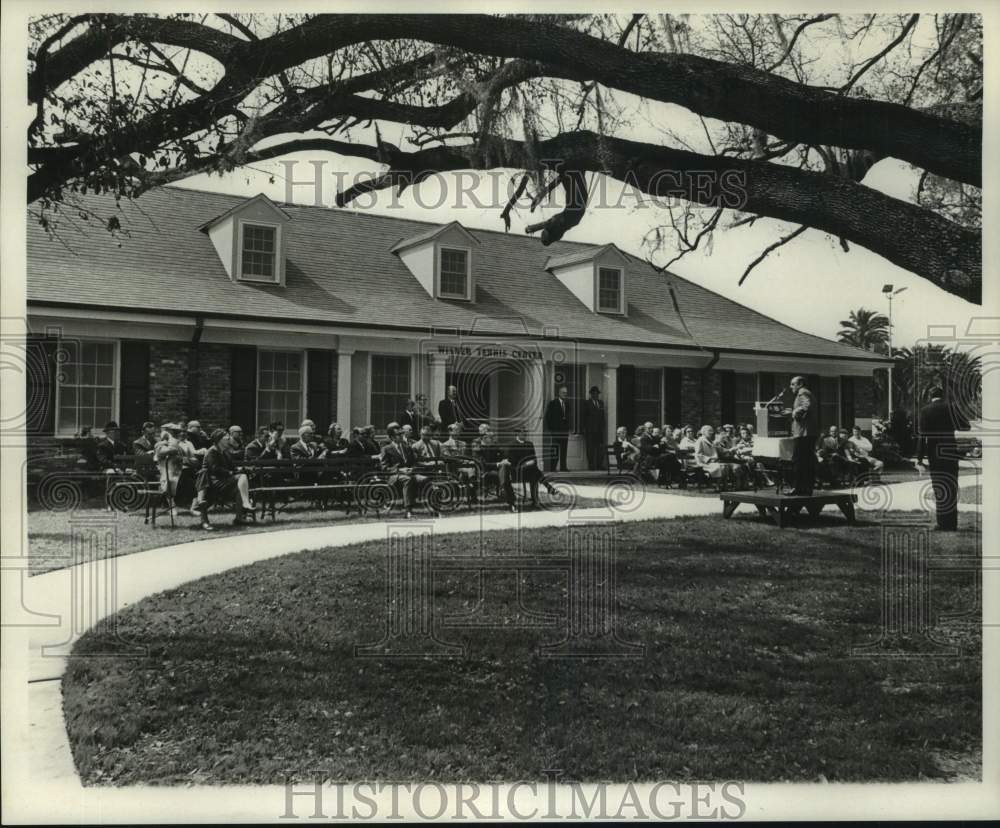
[728,397]
[672,395]
[133,405]
[40,386]
[318,388]
[626,396]
[243,387]
[847,402]
[767,386]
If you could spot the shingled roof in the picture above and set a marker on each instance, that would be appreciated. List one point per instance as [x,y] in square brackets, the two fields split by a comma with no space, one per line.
[340,271]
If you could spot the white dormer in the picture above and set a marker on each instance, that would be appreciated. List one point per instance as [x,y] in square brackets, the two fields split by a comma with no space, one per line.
[596,276]
[441,260]
[250,240]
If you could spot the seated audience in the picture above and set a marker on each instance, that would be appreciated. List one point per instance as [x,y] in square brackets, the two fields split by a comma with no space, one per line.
[688,442]
[458,460]
[305,447]
[831,466]
[493,466]
[178,461]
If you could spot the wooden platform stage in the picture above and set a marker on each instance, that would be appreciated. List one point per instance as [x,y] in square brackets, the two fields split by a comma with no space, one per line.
[779,507]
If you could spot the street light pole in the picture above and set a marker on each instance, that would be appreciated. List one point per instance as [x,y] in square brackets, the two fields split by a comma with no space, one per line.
[889,292]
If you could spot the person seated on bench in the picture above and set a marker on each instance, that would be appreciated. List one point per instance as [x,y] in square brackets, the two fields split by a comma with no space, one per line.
[688,441]
[427,450]
[458,460]
[233,442]
[109,447]
[743,453]
[706,455]
[831,467]
[305,448]
[178,461]
[257,446]
[626,452]
[524,467]
[853,466]
[493,468]
[398,459]
[334,442]
[223,483]
[725,442]
[668,465]
[146,444]
[862,447]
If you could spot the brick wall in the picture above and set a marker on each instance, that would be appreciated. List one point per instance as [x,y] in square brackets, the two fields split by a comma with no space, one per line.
[168,390]
[214,367]
[701,398]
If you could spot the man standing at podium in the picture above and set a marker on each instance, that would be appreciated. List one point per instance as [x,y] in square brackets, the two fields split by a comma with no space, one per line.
[804,432]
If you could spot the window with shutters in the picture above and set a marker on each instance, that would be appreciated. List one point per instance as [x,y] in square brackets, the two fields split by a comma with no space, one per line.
[86,385]
[259,252]
[390,382]
[454,277]
[280,387]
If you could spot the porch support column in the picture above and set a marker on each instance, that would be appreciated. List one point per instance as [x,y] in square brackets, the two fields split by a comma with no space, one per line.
[439,368]
[611,399]
[344,388]
[534,400]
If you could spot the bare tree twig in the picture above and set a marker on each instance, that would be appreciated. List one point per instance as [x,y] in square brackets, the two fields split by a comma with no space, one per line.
[767,251]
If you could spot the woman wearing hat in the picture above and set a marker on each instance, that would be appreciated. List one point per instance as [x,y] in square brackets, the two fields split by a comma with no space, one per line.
[224,482]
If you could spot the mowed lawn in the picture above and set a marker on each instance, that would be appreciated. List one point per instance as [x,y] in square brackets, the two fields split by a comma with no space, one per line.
[251,676]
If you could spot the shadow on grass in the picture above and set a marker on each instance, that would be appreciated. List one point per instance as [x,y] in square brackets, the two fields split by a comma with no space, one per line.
[251,675]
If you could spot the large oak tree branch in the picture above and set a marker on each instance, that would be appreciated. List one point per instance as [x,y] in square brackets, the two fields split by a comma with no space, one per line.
[913,238]
[731,92]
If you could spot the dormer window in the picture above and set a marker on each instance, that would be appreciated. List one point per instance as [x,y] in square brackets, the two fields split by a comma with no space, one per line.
[609,290]
[453,273]
[595,275]
[251,239]
[258,252]
[441,260]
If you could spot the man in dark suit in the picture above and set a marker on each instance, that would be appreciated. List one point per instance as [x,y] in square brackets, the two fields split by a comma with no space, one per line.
[594,424]
[937,423]
[398,459]
[449,411]
[411,417]
[146,444]
[557,431]
[109,447]
[804,431]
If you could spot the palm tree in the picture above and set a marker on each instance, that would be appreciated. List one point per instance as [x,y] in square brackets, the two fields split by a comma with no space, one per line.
[865,329]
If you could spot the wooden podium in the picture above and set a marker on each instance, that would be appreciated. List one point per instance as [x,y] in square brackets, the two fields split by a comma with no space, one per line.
[769,420]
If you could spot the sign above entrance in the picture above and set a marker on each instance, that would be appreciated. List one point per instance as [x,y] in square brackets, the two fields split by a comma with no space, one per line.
[491,351]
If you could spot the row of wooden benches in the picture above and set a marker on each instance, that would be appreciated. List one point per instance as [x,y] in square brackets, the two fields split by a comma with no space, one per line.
[351,483]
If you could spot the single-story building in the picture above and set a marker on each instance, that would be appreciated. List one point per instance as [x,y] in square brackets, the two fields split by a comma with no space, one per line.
[239,310]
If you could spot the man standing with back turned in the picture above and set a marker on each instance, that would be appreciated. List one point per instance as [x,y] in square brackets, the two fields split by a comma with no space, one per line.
[937,423]
[804,432]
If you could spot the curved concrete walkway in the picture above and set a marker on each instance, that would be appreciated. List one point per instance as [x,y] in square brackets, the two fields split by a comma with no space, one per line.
[78,597]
